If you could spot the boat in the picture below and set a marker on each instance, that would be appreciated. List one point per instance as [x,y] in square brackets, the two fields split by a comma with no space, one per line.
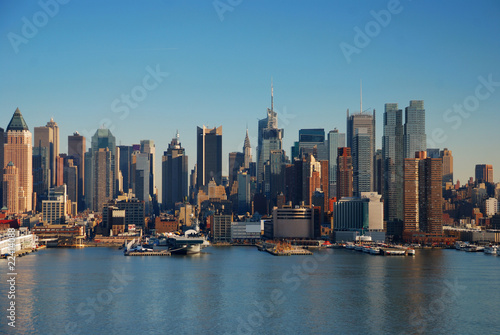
[491,250]
[350,246]
[473,248]
[410,252]
[375,251]
[459,245]
[395,252]
[191,242]
[366,248]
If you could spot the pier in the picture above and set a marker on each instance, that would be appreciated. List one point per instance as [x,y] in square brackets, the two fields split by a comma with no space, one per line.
[149,253]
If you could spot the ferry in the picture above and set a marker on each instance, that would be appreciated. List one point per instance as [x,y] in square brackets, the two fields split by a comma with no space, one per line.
[375,251]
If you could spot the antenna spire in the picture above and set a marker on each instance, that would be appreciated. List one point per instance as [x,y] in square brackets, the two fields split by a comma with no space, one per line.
[360,96]
[272,95]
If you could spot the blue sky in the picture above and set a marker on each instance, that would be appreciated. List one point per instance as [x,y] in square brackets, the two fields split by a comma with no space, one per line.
[88,54]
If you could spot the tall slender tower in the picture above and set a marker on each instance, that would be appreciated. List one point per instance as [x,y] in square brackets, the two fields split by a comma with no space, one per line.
[344,173]
[414,139]
[392,155]
[209,155]
[174,174]
[247,151]
[18,150]
[10,182]
[447,158]
[76,149]
[269,138]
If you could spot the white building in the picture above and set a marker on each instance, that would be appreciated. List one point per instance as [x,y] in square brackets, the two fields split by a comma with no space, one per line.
[54,210]
[491,207]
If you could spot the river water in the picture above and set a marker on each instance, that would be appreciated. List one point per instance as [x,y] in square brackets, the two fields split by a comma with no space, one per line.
[239,290]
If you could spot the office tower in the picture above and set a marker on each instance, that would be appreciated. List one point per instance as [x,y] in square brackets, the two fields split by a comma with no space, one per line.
[362,162]
[88,182]
[379,172]
[414,138]
[484,173]
[148,147]
[48,137]
[71,179]
[10,187]
[236,162]
[1,162]
[55,140]
[125,162]
[102,139]
[335,140]
[447,158]
[244,193]
[209,155]
[41,174]
[142,168]
[433,153]
[247,151]
[362,121]
[76,149]
[18,150]
[174,174]
[392,156]
[60,169]
[344,173]
[423,194]
[269,138]
[193,184]
[102,177]
[275,175]
[311,141]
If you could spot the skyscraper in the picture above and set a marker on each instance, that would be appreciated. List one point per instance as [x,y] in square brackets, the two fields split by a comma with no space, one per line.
[103,138]
[247,151]
[236,161]
[102,177]
[366,121]
[423,194]
[48,137]
[18,150]
[447,158]
[362,162]
[10,187]
[311,141]
[392,155]
[414,138]
[484,173]
[148,147]
[269,138]
[125,165]
[76,149]
[209,155]
[70,177]
[344,173]
[174,174]
[335,140]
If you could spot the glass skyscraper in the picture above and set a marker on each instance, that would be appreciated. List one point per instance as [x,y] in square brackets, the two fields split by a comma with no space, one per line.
[414,129]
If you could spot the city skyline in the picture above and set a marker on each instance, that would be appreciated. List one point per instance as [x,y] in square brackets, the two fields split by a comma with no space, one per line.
[77,78]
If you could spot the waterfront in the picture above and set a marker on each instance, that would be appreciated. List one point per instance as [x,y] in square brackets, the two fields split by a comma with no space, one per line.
[239,289]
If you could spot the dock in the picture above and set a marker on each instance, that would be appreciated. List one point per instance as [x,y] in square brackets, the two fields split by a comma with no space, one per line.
[23,252]
[149,253]
[283,249]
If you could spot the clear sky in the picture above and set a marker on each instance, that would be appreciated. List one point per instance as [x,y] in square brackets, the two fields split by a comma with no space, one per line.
[77,62]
